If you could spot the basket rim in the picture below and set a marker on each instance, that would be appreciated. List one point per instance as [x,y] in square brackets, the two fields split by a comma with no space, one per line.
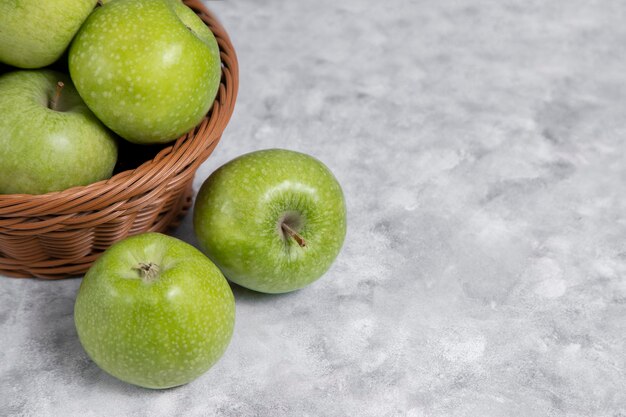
[189,150]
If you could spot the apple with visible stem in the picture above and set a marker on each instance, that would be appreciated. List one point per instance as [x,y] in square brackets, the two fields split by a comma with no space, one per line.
[154,311]
[149,69]
[34,33]
[273,221]
[49,139]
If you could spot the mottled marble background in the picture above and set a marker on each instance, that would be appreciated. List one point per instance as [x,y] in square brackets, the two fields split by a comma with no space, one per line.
[481,147]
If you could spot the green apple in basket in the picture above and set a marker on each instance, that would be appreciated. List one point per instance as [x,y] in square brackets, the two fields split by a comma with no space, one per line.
[34,33]
[273,220]
[154,311]
[149,69]
[49,140]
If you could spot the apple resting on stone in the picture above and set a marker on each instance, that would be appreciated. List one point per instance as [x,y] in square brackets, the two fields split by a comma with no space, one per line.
[34,33]
[49,140]
[154,311]
[273,220]
[149,69]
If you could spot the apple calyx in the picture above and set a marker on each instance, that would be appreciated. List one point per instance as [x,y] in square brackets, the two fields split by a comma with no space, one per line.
[293,234]
[54,101]
[148,271]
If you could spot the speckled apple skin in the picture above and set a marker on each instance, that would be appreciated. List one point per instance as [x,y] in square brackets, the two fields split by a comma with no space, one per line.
[238,208]
[42,150]
[149,69]
[34,33]
[156,334]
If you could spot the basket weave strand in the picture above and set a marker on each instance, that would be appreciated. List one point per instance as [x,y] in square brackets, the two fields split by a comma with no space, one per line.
[60,234]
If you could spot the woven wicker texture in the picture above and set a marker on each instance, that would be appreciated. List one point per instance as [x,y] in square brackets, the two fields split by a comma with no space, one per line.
[59,235]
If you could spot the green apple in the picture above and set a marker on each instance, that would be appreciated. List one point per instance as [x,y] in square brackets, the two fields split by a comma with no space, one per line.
[272,220]
[49,140]
[154,311]
[34,33]
[149,69]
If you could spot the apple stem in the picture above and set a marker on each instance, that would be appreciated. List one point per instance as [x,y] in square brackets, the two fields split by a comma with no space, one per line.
[148,271]
[293,234]
[57,95]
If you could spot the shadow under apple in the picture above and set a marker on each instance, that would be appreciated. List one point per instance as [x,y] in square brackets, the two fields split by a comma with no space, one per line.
[244,294]
[59,353]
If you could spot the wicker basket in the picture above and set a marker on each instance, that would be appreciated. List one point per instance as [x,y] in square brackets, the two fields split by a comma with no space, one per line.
[60,234]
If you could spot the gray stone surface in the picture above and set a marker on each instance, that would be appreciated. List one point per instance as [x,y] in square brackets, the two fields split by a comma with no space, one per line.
[481,149]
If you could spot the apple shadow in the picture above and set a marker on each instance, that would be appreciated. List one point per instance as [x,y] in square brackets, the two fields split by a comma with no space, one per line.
[184,231]
[53,335]
[243,294]
[131,155]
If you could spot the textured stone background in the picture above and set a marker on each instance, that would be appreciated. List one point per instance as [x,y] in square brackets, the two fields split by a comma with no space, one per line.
[481,149]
